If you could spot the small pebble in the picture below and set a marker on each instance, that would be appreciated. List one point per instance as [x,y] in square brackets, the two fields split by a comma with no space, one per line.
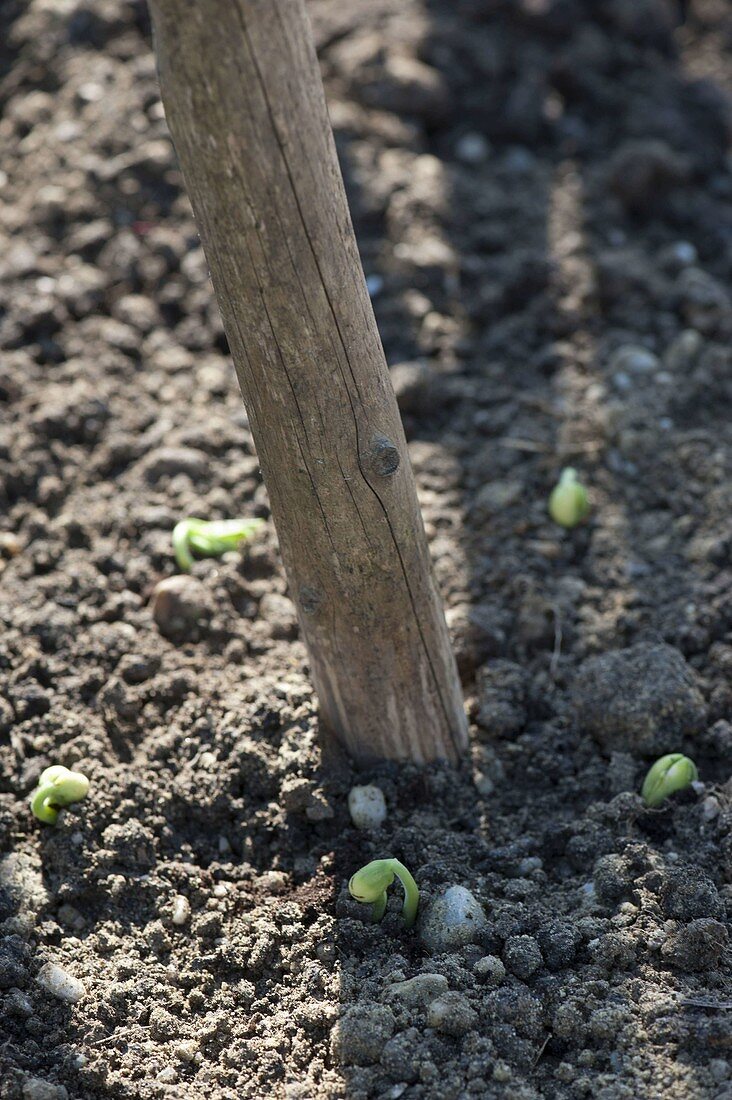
[630,359]
[367,807]
[179,606]
[452,920]
[710,808]
[472,149]
[181,910]
[451,1013]
[682,353]
[60,983]
[90,93]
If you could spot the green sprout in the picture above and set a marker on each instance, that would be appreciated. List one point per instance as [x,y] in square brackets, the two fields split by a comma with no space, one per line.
[670,773]
[209,539]
[57,787]
[372,881]
[568,503]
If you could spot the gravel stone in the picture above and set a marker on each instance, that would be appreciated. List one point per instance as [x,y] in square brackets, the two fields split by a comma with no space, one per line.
[59,983]
[367,807]
[179,606]
[452,1014]
[181,911]
[451,921]
[633,360]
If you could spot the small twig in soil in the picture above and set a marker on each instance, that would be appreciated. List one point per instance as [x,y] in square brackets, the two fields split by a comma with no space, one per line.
[541,1051]
[524,445]
[557,652]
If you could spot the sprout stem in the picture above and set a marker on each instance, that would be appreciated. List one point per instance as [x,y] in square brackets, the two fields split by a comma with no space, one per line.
[372,881]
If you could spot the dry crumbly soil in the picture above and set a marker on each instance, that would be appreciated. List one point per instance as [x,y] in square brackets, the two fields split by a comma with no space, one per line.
[543,199]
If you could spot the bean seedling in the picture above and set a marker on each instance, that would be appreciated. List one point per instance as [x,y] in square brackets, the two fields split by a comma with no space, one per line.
[210,539]
[372,881]
[670,773]
[568,503]
[57,787]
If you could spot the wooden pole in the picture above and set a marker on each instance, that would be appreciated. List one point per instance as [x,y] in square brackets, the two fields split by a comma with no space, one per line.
[246,109]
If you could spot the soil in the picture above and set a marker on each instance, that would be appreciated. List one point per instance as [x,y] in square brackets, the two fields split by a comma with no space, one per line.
[543,200]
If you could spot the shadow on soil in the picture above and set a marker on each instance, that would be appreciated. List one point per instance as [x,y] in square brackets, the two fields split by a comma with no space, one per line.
[557,155]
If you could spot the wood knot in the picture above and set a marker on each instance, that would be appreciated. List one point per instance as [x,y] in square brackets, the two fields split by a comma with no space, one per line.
[384,456]
[310,599]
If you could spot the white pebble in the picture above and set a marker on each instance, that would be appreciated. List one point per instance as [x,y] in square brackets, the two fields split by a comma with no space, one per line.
[181,909]
[60,983]
[367,807]
[91,93]
[632,359]
[710,808]
[453,920]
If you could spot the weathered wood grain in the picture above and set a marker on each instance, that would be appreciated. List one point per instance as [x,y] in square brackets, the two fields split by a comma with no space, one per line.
[245,106]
